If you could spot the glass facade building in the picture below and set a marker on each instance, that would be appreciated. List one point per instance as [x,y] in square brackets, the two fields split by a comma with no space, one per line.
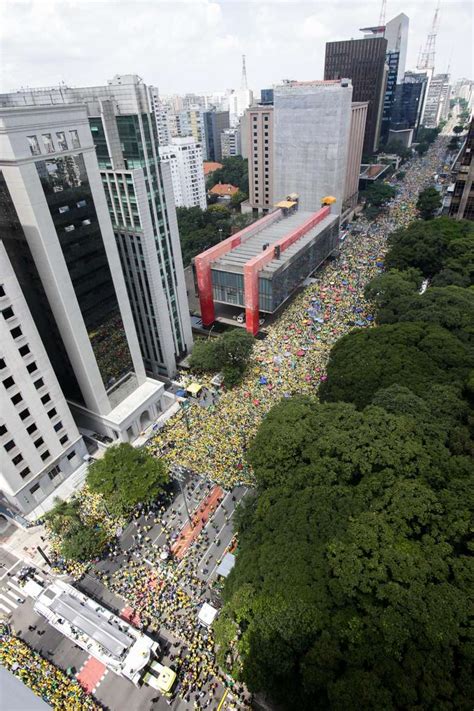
[67,192]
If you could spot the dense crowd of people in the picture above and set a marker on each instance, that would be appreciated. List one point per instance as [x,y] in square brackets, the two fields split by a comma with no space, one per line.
[292,357]
[212,441]
[61,692]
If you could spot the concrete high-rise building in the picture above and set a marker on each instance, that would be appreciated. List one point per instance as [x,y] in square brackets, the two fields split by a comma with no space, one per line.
[354,154]
[311,140]
[462,201]
[396,34]
[257,147]
[39,441]
[184,157]
[214,122]
[140,201]
[230,142]
[437,94]
[161,112]
[62,248]
[195,124]
[266,96]
[362,61]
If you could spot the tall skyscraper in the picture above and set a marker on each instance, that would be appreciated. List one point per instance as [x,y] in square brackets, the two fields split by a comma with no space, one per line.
[161,112]
[140,201]
[396,34]
[214,122]
[311,140]
[62,249]
[39,440]
[362,61]
[184,158]
[240,99]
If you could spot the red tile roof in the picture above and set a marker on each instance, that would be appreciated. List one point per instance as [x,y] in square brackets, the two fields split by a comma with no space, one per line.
[223,189]
[210,167]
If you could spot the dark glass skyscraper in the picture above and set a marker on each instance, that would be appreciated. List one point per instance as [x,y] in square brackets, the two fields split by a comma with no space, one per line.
[362,61]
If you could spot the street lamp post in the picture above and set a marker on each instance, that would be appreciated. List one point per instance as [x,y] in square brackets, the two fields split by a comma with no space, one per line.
[178,476]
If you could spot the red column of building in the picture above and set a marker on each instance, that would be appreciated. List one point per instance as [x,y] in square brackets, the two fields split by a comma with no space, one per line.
[251,298]
[204,281]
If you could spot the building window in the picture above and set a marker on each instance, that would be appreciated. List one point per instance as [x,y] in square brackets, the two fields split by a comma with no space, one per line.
[16,399]
[46,398]
[48,142]
[24,414]
[9,445]
[64,439]
[2,364]
[62,143]
[55,471]
[7,313]
[34,488]
[24,473]
[34,145]
[58,426]
[24,350]
[31,367]
[3,429]
[38,442]
[75,139]
[45,455]
[31,428]
[52,413]
[63,209]
[16,460]
[38,383]
[71,455]
[69,228]
[81,203]
[8,383]
[2,290]
[16,332]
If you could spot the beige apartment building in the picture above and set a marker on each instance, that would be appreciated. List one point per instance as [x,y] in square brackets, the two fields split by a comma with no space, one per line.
[257,146]
[354,156]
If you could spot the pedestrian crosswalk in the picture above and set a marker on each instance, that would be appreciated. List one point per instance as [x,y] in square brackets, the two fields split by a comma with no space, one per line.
[12,594]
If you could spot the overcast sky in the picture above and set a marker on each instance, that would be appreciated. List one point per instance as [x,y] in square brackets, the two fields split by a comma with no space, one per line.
[196,45]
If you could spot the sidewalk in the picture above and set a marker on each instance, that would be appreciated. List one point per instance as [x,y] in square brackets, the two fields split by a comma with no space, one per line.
[23,544]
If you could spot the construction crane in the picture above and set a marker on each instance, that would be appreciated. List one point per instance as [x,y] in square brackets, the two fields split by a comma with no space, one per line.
[426,59]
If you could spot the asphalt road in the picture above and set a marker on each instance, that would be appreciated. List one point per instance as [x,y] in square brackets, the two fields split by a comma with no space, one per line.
[203,557]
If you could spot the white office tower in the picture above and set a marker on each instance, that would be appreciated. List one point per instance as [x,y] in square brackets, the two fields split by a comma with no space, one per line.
[40,443]
[437,98]
[65,257]
[140,202]
[162,113]
[231,142]
[396,34]
[184,157]
[311,126]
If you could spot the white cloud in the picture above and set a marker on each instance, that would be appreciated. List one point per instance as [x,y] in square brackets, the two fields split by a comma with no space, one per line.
[196,45]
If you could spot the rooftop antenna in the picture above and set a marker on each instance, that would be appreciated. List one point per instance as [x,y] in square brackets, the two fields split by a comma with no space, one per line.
[427,57]
[243,84]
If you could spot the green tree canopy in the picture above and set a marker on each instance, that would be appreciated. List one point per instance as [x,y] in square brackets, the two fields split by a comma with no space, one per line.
[351,584]
[126,476]
[378,193]
[424,245]
[234,171]
[412,354]
[201,229]
[458,129]
[228,353]
[429,202]
[84,543]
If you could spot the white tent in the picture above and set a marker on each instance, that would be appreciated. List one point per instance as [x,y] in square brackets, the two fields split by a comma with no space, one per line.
[207,614]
